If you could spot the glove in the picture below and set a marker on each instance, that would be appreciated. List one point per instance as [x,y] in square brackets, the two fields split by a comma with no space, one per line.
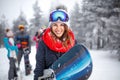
[18,45]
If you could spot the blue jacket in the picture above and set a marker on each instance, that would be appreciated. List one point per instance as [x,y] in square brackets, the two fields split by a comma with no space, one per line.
[9,47]
[22,37]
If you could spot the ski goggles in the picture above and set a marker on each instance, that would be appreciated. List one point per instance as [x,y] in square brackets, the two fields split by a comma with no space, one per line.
[59,15]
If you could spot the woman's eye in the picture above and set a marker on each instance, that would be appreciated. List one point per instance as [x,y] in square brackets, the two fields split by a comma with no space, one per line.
[62,24]
[54,25]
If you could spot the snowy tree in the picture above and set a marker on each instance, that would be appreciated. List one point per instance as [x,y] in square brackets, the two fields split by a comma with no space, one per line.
[1,35]
[94,12]
[76,23]
[101,19]
[3,26]
[113,26]
[4,21]
[74,19]
[21,20]
[36,22]
[55,4]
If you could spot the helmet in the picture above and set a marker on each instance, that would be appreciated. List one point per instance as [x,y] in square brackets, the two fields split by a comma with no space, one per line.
[21,26]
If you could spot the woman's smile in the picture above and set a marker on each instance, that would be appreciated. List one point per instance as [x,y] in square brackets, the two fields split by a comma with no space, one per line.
[58,29]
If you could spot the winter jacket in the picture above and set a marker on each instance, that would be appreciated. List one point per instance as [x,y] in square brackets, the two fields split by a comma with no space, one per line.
[35,39]
[9,47]
[48,52]
[22,40]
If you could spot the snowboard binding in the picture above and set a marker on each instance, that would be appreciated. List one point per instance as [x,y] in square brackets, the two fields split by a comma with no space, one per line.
[26,50]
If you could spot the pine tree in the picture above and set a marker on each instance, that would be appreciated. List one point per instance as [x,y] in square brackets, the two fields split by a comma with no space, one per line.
[95,13]
[1,35]
[3,25]
[76,18]
[113,26]
[36,22]
[21,20]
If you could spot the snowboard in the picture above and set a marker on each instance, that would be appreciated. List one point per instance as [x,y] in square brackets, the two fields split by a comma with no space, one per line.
[26,61]
[76,64]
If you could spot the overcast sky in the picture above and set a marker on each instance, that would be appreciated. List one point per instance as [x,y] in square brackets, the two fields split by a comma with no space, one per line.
[11,8]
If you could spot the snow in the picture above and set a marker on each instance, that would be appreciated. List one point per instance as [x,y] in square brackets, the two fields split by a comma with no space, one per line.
[4,65]
[105,65]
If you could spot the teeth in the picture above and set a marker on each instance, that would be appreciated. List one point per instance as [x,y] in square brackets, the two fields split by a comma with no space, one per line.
[58,32]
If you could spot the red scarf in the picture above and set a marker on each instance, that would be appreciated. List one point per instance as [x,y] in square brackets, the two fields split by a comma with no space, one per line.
[56,45]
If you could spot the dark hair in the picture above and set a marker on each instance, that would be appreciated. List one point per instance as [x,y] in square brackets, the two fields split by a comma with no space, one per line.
[36,33]
[7,30]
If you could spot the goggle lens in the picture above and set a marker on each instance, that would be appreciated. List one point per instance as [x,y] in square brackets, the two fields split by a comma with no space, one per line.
[59,15]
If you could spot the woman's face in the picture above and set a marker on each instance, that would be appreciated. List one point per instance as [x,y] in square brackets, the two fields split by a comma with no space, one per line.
[58,29]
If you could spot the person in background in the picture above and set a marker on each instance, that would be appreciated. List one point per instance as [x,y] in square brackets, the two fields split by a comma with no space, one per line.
[22,40]
[57,39]
[37,36]
[12,54]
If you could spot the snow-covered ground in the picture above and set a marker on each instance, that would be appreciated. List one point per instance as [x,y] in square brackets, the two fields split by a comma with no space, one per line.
[4,65]
[105,65]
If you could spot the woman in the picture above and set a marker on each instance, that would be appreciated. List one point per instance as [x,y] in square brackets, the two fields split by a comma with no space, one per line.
[56,40]
[12,54]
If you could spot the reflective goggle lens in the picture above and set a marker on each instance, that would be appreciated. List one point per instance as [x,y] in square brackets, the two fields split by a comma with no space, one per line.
[59,15]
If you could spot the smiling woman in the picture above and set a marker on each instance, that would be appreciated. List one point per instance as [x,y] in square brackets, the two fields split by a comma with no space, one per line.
[56,40]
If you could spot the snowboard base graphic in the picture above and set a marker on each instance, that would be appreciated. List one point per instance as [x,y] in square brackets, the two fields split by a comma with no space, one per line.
[76,64]
[26,61]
